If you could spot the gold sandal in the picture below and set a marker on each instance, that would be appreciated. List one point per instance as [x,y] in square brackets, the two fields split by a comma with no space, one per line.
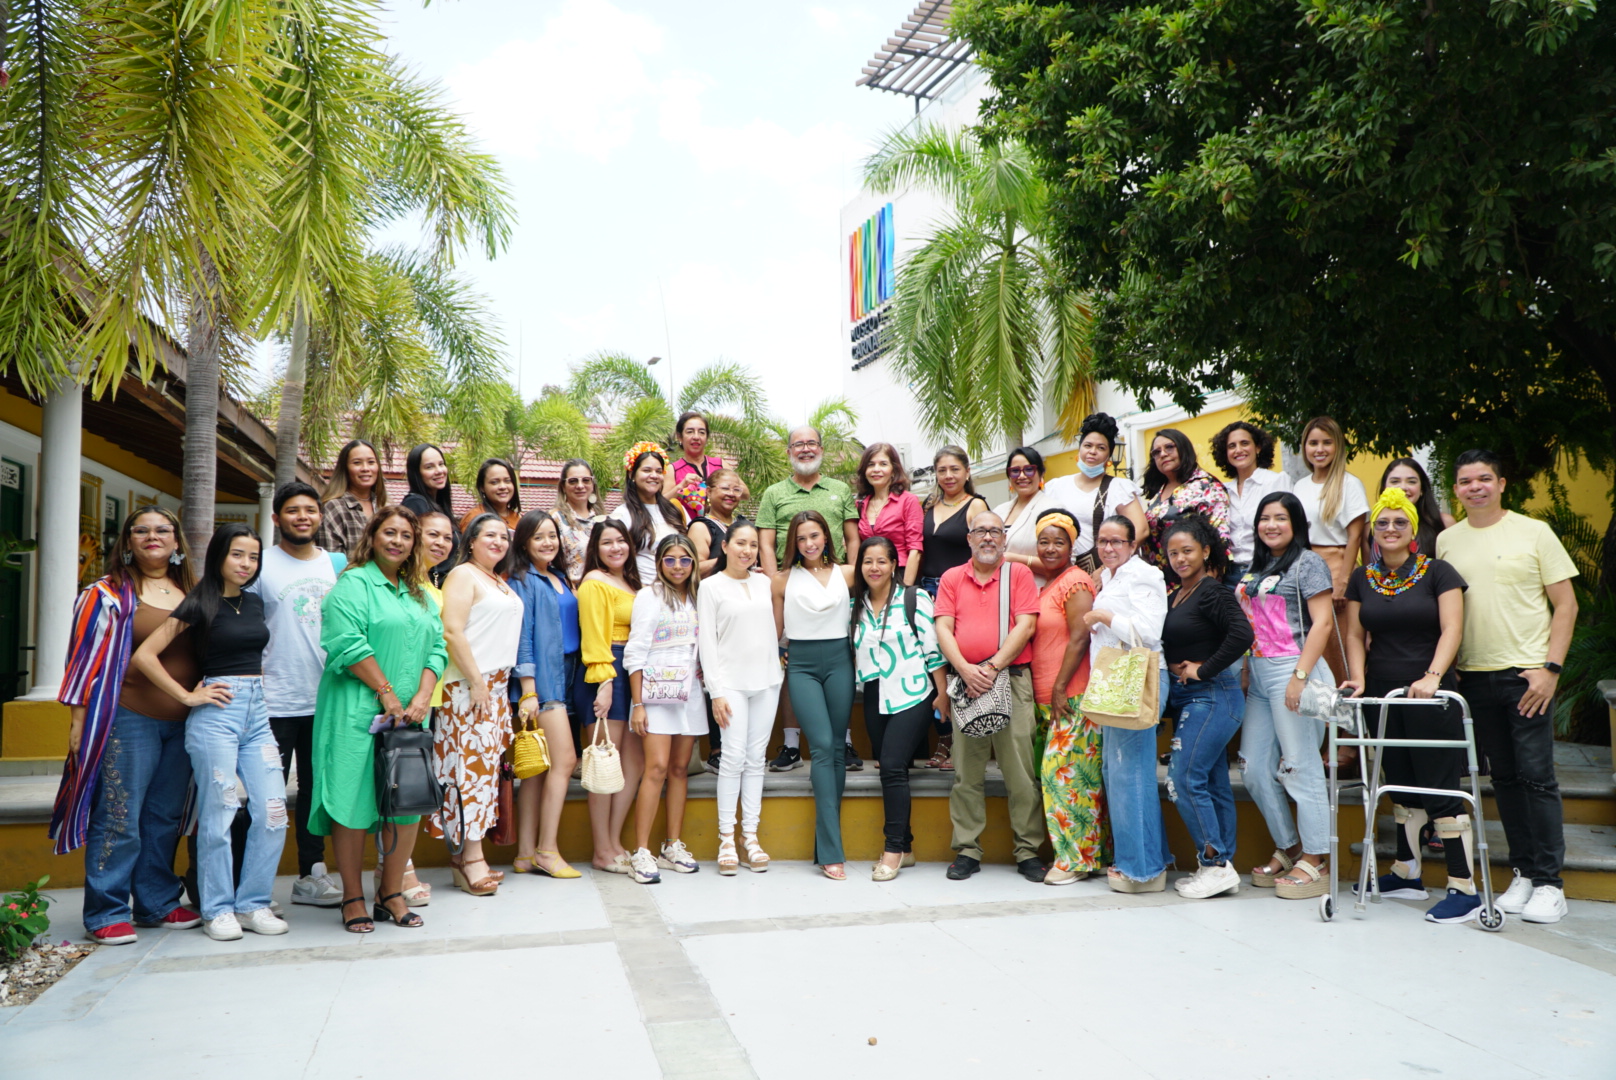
[1263,878]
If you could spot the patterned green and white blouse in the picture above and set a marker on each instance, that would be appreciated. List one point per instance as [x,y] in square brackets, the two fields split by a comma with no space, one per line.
[885,648]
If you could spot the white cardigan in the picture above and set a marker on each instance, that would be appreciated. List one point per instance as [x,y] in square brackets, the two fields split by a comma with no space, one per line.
[653,618]
[1136,596]
[738,643]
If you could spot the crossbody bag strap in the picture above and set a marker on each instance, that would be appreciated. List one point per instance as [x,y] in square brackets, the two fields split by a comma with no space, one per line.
[1099,510]
[1005,571]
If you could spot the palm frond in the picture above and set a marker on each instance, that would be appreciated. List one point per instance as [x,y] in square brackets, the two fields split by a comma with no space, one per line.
[724,383]
[925,156]
[605,384]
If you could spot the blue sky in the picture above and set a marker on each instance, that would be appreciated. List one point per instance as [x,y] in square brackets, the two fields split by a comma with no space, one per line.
[697,153]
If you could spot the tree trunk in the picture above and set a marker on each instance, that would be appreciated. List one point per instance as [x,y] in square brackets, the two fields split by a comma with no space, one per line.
[200,479]
[289,424]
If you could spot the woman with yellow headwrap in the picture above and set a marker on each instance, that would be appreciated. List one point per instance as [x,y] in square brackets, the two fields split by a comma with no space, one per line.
[1404,619]
[1067,744]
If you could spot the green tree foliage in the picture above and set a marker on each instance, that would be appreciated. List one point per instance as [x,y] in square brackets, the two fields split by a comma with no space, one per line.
[1398,214]
[982,315]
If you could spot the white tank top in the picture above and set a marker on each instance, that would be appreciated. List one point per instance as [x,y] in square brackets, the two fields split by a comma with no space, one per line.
[493,626]
[816,612]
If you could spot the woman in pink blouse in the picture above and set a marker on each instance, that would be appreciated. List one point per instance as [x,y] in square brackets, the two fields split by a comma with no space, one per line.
[886,506]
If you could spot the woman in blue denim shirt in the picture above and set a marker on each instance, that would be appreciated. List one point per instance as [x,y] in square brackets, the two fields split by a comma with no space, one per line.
[549,685]
[228,734]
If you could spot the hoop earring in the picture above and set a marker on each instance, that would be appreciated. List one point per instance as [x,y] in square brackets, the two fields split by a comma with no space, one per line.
[177,558]
[127,557]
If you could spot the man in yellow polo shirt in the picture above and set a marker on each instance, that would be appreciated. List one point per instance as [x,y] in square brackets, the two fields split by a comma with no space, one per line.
[1519,613]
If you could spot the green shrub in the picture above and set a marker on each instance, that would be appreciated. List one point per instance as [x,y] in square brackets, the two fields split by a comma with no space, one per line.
[23,919]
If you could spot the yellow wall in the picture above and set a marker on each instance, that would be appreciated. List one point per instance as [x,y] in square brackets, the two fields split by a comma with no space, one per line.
[22,413]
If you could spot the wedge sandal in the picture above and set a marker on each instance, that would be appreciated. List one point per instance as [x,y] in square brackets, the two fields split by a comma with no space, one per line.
[1317,883]
[1263,878]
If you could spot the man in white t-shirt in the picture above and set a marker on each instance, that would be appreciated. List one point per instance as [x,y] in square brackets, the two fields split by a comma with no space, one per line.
[293,579]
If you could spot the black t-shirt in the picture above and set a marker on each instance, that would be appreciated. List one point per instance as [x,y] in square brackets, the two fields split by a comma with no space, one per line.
[715,542]
[1207,627]
[1403,629]
[236,640]
[945,545]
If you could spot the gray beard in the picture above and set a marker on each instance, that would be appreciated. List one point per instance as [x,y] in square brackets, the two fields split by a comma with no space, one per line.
[807,468]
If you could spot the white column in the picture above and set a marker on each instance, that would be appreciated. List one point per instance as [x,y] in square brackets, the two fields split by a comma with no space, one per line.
[60,463]
[266,507]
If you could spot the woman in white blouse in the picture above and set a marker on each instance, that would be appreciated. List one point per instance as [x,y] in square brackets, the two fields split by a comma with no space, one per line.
[740,665]
[1024,468]
[1128,613]
[1094,494]
[1244,453]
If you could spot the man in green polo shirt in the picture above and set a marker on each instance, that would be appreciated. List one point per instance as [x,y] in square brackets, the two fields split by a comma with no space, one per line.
[806,490]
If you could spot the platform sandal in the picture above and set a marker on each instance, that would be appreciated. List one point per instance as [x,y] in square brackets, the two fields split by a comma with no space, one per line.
[1263,878]
[728,861]
[757,860]
[1316,882]
[487,885]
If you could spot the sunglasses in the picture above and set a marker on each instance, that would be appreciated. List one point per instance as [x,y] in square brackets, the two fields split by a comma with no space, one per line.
[677,560]
[1395,523]
[580,480]
[1022,470]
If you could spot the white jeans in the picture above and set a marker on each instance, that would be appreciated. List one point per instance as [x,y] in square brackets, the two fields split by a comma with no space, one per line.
[740,768]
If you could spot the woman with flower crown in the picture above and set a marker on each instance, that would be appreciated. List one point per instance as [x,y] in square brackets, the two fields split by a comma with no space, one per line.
[649,514]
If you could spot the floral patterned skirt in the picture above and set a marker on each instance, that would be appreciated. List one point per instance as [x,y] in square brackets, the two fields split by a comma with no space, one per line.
[466,749]
[1074,800]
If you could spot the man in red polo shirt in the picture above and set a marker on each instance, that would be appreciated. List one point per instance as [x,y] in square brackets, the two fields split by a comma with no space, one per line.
[968,633]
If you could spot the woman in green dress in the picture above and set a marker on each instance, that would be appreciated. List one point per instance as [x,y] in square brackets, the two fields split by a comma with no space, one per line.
[379,630]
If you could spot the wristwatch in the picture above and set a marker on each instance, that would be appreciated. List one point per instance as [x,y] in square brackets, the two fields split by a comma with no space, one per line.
[1552,668]
[1299,674]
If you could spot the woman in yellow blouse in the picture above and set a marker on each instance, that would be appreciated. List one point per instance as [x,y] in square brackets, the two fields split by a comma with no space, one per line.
[605,608]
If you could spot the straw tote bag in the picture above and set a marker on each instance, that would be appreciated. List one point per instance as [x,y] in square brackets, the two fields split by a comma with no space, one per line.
[602,769]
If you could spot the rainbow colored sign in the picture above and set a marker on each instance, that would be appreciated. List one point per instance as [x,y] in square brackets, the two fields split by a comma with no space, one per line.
[869,263]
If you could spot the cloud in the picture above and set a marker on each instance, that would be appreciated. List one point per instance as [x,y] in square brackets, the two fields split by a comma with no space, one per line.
[578,86]
[826,18]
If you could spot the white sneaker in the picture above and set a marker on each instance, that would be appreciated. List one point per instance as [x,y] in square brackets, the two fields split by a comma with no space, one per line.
[1185,882]
[676,857]
[1211,881]
[643,867]
[263,921]
[1546,906]
[223,927]
[317,889]
[1515,897]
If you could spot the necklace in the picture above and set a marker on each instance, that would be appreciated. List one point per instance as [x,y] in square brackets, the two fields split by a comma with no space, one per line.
[164,589]
[1388,584]
[504,588]
[951,505]
[236,607]
[1183,593]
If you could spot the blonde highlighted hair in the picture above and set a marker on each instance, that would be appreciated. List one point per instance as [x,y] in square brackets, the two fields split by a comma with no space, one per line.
[1335,475]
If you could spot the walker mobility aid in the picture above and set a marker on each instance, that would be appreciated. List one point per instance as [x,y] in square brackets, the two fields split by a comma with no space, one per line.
[1351,717]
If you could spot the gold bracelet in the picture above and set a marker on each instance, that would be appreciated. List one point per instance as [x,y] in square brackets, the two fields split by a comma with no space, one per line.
[524,697]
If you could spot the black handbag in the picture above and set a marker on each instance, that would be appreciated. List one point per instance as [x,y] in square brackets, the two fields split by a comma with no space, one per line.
[406,785]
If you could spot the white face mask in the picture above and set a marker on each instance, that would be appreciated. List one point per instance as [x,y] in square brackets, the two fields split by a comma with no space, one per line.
[1091,471]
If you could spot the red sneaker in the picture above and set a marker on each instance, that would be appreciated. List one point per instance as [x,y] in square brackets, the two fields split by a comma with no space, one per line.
[119,933]
[181,918]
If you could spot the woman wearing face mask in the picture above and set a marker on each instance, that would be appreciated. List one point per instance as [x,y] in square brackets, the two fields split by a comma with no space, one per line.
[482,619]
[1405,618]
[1176,484]
[549,684]
[648,513]
[1286,596]
[1093,493]
[1024,468]
[578,507]
[497,488]
[901,670]
[1203,639]
[1128,613]
[667,712]
[741,668]
[725,490]
[351,497]
[1411,477]
[1245,454]
[887,507]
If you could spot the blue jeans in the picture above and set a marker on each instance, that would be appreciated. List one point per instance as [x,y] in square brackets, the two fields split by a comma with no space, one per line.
[1279,756]
[1198,779]
[226,741]
[135,822]
[1138,836]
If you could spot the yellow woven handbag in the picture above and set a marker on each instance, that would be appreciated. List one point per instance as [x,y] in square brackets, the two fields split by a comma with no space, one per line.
[530,754]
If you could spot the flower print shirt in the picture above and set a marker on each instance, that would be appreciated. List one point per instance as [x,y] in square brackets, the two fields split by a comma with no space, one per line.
[1201,493]
[1276,604]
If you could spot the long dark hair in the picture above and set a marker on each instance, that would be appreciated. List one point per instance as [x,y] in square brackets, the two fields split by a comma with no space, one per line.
[900,476]
[861,588]
[474,527]
[641,533]
[521,562]
[1199,529]
[1265,562]
[1187,461]
[1426,505]
[564,507]
[804,517]
[958,454]
[201,605]
[631,565]
[338,484]
[123,573]
[516,484]
[437,573]
[441,498]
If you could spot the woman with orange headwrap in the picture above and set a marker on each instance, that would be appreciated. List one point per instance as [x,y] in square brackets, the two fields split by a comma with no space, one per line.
[1404,619]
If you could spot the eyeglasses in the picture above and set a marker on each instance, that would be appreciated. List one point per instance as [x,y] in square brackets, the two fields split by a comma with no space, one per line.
[1021,470]
[805,444]
[1106,542]
[1382,524]
[987,534]
[159,531]
[580,480]
[677,560]
[1164,451]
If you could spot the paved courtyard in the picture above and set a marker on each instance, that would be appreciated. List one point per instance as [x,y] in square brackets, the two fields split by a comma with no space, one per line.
[786,975]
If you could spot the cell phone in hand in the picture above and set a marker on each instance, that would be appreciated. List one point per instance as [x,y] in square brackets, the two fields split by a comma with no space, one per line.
[379,722]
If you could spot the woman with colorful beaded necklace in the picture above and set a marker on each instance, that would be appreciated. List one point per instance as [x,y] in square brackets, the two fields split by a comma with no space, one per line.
[1404,619]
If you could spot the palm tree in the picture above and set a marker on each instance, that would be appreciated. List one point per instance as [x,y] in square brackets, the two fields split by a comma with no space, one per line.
[981,317]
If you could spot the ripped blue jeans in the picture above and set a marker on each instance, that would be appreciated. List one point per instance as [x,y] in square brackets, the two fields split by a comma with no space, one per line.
[1279,756]
[227,741]
[1198,779]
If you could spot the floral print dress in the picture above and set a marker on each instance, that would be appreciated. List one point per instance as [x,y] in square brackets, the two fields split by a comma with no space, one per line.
[1202,493]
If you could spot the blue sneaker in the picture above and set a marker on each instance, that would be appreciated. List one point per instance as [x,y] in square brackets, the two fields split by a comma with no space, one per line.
[1455,907]
[1397,887]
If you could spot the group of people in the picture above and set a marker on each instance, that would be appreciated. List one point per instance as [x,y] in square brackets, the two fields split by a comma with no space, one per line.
[673,616]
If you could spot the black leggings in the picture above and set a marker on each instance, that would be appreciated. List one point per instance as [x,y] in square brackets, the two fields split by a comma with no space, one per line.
[1431,768]
[296,734]
[892,742]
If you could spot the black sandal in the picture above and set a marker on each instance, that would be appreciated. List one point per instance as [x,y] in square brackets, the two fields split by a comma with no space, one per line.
[385,914]
[351,925]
